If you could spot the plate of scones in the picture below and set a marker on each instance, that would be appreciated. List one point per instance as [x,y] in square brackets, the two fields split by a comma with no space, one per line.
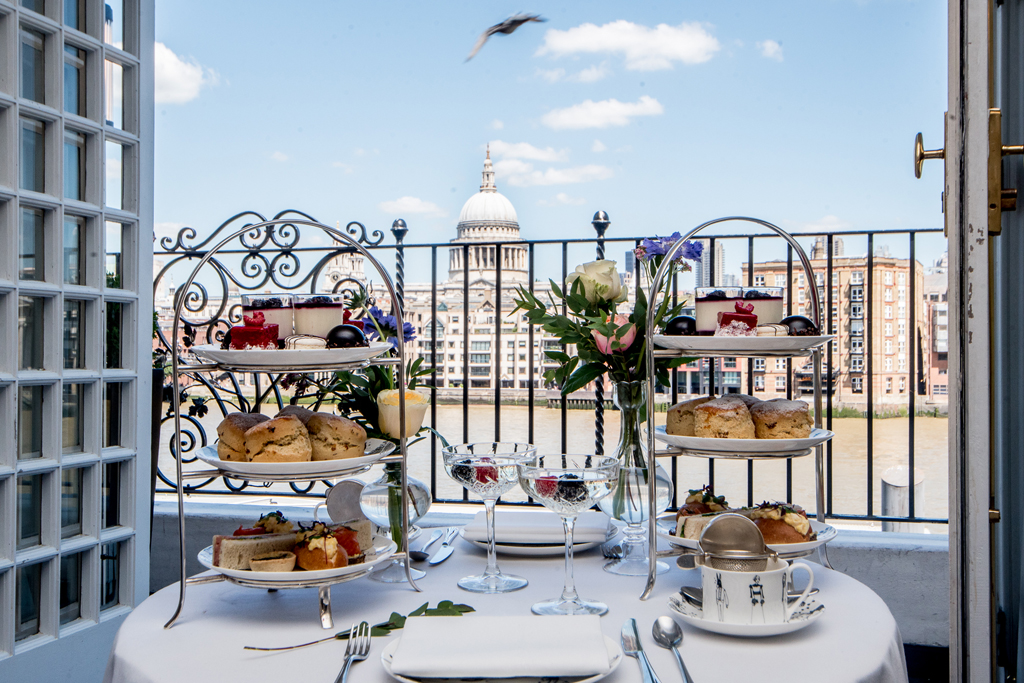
[741,425]
[297,441]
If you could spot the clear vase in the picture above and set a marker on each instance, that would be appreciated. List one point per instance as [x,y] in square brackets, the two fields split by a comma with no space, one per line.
[630,502]
[381,502]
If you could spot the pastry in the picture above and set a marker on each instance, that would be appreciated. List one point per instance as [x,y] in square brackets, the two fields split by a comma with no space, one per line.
[276,310]
[772,331]
[304,341]
[333,437]
[330,547]
[279,561]
[283,439]
[746,398]
[740,323]
[800,326]
[346,337]
[297,411]
[254,334]
[781,419]
[701,502]
[231,434]
[270,523]
[235,552]
[710,302]
[681,325]
[780,523]
[723,418]
[680,417]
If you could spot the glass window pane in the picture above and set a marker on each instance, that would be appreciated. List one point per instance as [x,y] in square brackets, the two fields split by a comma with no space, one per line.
[112,415]
[74,14]
[115,254]
[32,64]
[113,23]
[74,165]
[30,509]
[110,513]
[71,502]
[30,423]
[74,92]
[113,83]
[30,332]
[70,588]
[34,5]
[26,604]
[114,320]
[115,182]
[74,334]
[71,418]
[32,160]
[110,568]
[74,248]
[30,245]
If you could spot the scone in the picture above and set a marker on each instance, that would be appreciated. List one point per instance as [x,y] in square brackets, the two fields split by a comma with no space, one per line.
[680,417]
[334,437]
[747,400]
[780,419]
[723,418]
[231,434]
[298,411]
[283,439]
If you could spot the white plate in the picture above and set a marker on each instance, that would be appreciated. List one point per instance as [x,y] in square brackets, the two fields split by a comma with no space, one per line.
[614,657]
[315,469]
[383,548]
[805,616]
[825,533]
[741,447]
[531,549]
[290,358]
[746,345]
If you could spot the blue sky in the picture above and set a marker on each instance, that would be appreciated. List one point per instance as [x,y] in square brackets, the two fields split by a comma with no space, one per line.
[664,115]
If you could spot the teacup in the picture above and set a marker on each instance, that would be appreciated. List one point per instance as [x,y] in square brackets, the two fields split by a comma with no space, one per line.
[753,597]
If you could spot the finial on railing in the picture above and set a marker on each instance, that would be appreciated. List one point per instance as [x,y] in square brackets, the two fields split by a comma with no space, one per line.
[399,229]
[600,224]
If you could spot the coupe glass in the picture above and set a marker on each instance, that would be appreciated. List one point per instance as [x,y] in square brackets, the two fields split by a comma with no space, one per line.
[568,485]
[490,470]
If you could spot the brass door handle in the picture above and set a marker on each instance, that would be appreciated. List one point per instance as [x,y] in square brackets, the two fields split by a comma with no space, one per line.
[921,154]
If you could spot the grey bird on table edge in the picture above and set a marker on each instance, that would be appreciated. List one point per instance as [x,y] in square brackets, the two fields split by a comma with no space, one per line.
[506,27]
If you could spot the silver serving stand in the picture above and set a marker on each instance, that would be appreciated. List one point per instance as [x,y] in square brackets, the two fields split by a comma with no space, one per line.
[177,369]
[710,350]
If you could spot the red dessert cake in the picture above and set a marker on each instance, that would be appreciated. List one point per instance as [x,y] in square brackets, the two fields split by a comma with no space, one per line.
[742,323]
[255,334]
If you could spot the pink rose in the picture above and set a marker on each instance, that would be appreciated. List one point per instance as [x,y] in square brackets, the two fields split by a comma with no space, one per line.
[625,333]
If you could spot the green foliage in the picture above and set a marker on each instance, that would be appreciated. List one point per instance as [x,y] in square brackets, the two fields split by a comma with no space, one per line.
[445,608]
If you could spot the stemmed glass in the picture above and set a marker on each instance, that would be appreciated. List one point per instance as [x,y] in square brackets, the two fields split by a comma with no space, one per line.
[488,469]
[568,485]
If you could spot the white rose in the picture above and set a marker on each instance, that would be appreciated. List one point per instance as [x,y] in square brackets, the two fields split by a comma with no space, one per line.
[600,280]
[416,405]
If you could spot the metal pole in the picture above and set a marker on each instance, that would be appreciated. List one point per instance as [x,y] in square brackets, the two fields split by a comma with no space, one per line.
[399,230]
[600,224]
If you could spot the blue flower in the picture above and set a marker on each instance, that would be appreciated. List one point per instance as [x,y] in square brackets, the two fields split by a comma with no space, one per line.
[692,251]
[388,325]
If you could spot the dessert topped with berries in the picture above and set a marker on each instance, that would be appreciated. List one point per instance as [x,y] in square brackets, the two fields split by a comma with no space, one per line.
[254,334]
[741,323]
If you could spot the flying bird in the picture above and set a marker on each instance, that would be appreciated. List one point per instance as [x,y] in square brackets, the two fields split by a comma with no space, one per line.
[506,27]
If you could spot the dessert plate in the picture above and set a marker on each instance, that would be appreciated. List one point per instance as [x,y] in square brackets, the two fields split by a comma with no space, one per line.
[614,658]
[383,549]
[742,448]
[292,359]
[533,549]
[824,534]
[693,616]
[315,469]
[711,345]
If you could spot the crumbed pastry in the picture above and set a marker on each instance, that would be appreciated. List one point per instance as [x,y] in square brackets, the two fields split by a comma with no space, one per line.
[772,331]
[231,434]
[235,552]
[723,418]
[334,437]
[280,561]
[298,411]
[680,417]
[746,398]
[780,419]
[283,439]
[780,523]
[330,547]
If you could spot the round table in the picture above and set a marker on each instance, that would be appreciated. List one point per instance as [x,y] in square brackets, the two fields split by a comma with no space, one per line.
[856,639]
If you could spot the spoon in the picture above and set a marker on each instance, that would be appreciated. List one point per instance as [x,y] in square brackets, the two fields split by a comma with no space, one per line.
[667,633]
[420,555]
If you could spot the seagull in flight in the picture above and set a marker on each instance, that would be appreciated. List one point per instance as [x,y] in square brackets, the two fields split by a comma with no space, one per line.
[506,27]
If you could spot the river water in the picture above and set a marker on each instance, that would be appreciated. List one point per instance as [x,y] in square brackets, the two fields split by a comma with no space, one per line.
[849,457]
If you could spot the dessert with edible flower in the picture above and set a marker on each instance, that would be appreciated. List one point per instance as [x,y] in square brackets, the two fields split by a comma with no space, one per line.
[702,501]
[740,323]
[328,547]
[779,523]
[254,334]
[270,523]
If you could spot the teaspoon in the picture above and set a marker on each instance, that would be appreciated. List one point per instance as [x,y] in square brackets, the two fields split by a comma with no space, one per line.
[667,633]
[420,555]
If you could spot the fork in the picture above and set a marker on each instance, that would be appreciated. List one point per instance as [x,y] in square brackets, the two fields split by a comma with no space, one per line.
[357,649]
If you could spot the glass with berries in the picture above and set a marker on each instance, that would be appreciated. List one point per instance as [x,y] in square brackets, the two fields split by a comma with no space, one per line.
[490,470]
[568,485]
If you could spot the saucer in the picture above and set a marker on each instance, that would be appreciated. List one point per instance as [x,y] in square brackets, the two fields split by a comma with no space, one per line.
[805,616]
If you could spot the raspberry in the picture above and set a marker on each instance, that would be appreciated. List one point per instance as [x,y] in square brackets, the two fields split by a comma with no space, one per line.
[488,474]
[547,486]
[255,320]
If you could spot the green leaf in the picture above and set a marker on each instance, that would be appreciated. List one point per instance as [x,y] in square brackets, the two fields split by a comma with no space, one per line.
[464,608]
[582,377]
[556,290]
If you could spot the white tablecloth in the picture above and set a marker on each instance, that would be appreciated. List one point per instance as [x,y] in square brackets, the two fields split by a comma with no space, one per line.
[855,640]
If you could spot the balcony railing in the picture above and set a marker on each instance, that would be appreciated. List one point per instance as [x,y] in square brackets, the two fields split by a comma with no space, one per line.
[860,373]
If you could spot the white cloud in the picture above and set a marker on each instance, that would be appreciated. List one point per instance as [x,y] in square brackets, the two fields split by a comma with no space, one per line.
[551,75]
[590,114]
[592,74]
[511,167]
[524,150]
[644,48]
[770,49]
[279,156]
[524,174]
[598,146]
[411,205]
[178,80]
[562,198]
[497,124]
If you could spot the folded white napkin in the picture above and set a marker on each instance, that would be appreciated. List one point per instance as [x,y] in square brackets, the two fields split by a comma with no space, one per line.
[524,526]
[475,646]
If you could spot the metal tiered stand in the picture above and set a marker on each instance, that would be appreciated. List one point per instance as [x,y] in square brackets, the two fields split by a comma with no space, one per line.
[178,370]
[711,350]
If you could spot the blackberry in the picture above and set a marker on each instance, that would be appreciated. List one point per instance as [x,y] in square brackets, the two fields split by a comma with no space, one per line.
[319,301]
[462,472]
[754,294]
[572,489]
[717,294]
[266,303]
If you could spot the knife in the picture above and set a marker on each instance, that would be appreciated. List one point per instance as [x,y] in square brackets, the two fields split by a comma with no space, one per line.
[446,549]
[632,647]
